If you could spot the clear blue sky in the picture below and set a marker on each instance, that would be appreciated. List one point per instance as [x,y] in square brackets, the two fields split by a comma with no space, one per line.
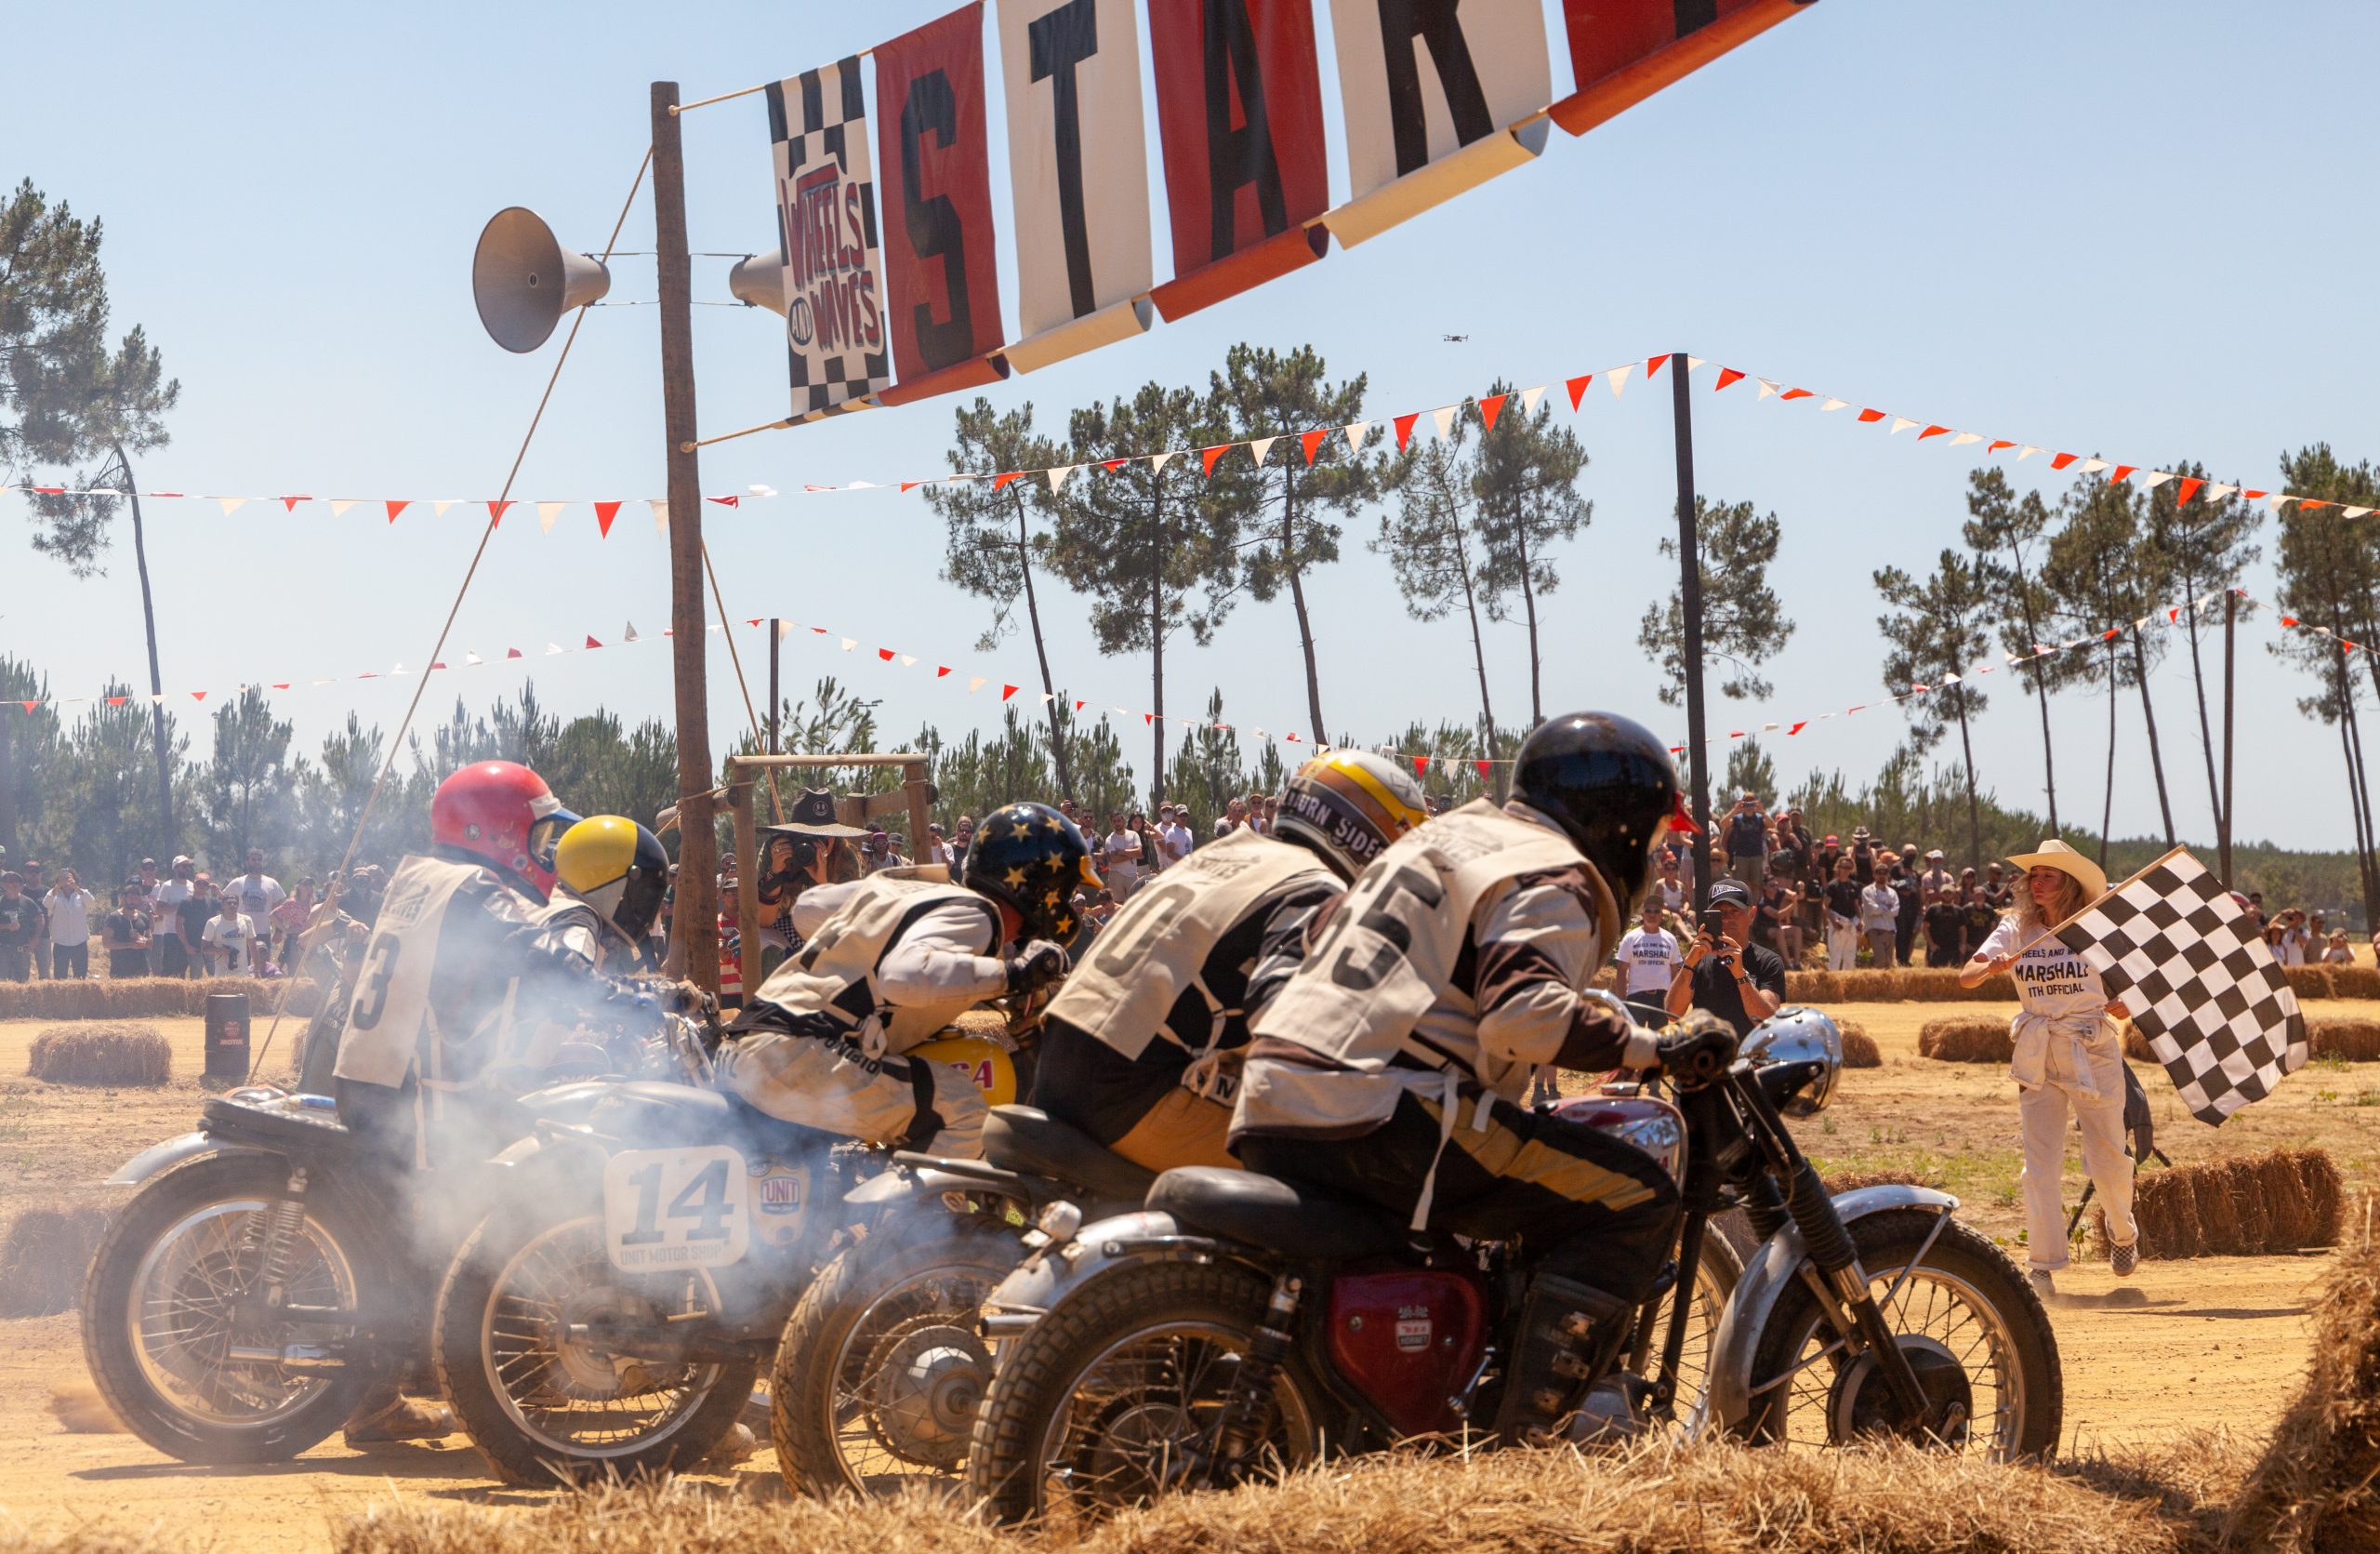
[2127,228]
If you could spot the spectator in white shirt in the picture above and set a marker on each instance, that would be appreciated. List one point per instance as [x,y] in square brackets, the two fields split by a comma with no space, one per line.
[258,893]
[1173,832]
[1123,851]
[1880,919]
[164,910]
[1669,889]
[227,937]
[69,906]
[1648,955]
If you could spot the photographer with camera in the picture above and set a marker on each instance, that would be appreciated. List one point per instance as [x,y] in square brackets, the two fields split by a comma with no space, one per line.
[1724,972]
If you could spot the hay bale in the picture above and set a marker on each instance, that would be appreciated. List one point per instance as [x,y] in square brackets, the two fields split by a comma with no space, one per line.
[2318,1488]
[1859,1049]
[2350,1041]
[2356,981]
[1966,1039]
[101,1054]
[2311,981]
[2245,1206]
[1852,1181]
[43,1258]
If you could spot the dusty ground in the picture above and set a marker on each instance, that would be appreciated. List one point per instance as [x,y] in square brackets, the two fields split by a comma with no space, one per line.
[2216,1341]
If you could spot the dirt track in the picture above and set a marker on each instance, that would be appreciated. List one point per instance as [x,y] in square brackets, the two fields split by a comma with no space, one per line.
[2216,1342]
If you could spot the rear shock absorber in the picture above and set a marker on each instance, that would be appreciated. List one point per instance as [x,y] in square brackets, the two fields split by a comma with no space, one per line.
[281,1223]
[1251,1390]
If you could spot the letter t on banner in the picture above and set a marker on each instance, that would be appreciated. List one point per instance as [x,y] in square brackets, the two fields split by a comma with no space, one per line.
[1079,175]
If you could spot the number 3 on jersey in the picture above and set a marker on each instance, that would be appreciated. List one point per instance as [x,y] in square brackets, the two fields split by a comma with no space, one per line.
[371,997]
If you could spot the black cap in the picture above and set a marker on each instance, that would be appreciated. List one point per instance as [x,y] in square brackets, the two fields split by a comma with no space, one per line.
[1730,892]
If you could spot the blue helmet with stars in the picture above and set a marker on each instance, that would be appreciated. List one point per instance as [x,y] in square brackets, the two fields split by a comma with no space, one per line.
[1032,860]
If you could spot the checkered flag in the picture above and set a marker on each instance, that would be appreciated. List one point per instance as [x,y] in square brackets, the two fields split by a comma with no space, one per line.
[837,348]
[2200,982]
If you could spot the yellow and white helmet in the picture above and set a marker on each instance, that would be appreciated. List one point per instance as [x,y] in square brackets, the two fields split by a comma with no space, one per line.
[616,866]
[1347,805]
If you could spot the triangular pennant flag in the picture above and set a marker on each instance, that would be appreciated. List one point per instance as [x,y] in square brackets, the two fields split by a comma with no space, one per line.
[1653,364]
[547,513]
[1931,431]
[908,486]
[194,696]
[2154,479]
[495,513]
[1728,378]
[1310,442]
[604,513]
[2123,472]
[1766,387]
[2092,466]
[120,701]
[1058,474]
[1006,691]
[1258,447]
[1113,464]
[1797,393]
[1147,718]
[471,657]
[1489,408]
[1834,404]
[1483,766]
[2028,451]
[1421,763]
[1999,442]
[1869,417]
[1079,705]
[29,705]
[1901,424]
[2248,496]
[974,684]
[438,508]
[1000,480]
[1209,456]
[2218,492]
[1157,461]
[942,671]
[512,653]
[1963,438]
[1357,433]
[849,642]
[1578,387]
[591,642]
[1443,418]
[726,501]
[554,647]
[660,506]
[230,504]
[1797,728]
[885,653]
[1692,363]
[1617,379]
[289,504]
[339,506]
[1048,697]
[2061,461]
[395,507]
[1405,429]
[2353,511]
[1529,398]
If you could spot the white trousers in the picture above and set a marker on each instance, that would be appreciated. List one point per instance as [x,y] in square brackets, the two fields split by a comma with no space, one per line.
[1842,946]
[2043,1107]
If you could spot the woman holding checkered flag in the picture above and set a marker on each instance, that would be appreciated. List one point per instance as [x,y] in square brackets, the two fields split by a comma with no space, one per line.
[2068,1055]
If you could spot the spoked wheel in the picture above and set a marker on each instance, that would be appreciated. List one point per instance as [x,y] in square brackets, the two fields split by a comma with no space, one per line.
[1976,1334]
[880,1370]
[537,1345]
[1114,1397]
[179,1284]
[1714,1283]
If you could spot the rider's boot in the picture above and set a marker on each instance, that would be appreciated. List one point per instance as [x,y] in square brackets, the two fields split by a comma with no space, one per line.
[384,1414]
[1569,1338]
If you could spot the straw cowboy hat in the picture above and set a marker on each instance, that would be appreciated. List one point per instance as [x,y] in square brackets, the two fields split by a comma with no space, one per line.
[2058,856]
[814,815]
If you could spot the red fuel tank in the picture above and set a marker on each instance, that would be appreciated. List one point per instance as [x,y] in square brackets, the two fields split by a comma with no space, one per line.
[1408,1339]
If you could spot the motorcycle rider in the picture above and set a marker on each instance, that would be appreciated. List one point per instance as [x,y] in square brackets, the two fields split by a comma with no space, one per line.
[1391,1067]
[887,962]
[610,875]
[1140,1048]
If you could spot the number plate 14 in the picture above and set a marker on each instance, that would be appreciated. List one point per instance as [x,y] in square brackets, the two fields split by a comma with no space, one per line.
[668,1209]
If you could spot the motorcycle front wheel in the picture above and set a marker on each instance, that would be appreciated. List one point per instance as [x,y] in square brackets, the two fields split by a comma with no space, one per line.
[1114,1398]
[880,1370]
[547,1397]
[1974,1331]
[176,1286]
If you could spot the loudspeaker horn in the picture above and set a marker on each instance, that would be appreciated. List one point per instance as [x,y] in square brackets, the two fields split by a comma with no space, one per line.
[758,281]
[524,280]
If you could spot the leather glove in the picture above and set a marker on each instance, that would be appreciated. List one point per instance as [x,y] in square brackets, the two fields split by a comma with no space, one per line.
[1041,964]
[1697,1049]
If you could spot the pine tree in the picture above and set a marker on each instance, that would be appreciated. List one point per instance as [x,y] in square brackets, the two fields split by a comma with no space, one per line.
[1751,770]
[2326,573]
[2104,581]
[2006,536]
[1742,621]
[1432,543]
[1935,631]
[2200,545]
[991,549]
[1527,488]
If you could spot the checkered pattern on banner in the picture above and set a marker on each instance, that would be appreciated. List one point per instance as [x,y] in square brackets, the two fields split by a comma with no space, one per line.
[2199,980]
[838,348]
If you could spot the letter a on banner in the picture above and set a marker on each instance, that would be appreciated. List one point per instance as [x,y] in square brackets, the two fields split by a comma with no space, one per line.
[939,256]
[1078,172]
[827,238]
[1239,115]
[1433,90]
[1623,51]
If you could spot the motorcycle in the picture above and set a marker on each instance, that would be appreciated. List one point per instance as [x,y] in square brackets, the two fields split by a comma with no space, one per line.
[880,1368]
[254,1288]
[612,1313]
[1240,1322]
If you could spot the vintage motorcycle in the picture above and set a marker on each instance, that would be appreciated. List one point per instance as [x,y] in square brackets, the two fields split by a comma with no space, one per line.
[256,1286]
[613,1310]
[1239,1322]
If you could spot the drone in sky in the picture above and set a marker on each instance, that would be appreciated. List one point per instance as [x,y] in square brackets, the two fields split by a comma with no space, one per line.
[1456,339]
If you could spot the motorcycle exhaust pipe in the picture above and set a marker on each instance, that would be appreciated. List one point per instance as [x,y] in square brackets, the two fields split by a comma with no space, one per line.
[289,1357]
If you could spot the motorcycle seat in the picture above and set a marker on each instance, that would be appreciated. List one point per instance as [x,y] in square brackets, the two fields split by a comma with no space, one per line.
[1032,1143]
[1296,1222]
[281,1128]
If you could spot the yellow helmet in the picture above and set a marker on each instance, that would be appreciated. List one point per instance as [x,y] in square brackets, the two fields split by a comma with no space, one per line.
[1347,805]
[616,866]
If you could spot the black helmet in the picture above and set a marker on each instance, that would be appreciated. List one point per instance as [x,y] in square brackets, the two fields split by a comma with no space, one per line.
[1031,859]
[1609,783]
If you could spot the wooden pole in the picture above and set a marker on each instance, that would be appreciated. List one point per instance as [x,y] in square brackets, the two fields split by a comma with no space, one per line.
[776,635]
[913,784]
[748,874]
[694,953]
[2223,822]
[1689,563]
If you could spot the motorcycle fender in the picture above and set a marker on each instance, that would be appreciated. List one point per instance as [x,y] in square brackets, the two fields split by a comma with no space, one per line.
[158,1158]
[1054,1272]
[909,1185]
[1728,1402]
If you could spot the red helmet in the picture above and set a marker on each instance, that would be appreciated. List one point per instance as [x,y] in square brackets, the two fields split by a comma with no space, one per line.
[502,814]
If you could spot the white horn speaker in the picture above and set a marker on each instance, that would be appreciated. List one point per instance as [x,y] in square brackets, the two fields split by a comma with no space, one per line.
[524,280]
[758,281]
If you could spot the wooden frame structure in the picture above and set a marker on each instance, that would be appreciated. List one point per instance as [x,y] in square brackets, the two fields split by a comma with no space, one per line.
[914,795]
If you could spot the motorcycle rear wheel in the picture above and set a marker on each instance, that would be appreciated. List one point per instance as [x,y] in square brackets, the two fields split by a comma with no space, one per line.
[1110,1398]
[880,1370]
[158,1314]
[1965,1305]
[543,1407]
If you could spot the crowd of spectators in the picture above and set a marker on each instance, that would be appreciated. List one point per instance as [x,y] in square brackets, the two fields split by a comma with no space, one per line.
[180,923]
